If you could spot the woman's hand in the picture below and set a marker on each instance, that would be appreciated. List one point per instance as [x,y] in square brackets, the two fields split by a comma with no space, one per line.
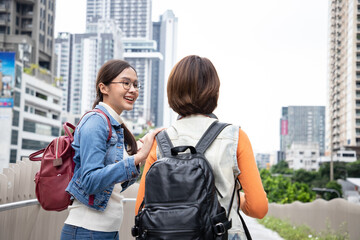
[147,142]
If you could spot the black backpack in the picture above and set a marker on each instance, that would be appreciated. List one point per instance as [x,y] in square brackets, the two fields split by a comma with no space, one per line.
[180,194]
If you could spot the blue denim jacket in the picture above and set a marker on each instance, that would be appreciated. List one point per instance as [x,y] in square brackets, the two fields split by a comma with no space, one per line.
[99,163]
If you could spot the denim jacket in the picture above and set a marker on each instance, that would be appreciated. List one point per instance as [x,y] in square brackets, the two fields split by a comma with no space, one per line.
[99,163]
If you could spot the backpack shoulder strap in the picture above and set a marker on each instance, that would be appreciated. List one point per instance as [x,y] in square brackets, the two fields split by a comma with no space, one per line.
[164,143]
[107,118]
[209,136]
[108,121]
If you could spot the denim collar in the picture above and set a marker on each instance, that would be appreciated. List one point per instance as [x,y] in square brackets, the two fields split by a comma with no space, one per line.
[113,122]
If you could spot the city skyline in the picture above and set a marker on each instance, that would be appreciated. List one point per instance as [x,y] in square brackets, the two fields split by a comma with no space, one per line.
[266,57]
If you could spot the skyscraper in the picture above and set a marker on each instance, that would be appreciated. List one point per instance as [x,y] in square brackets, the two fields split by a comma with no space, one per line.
[165,34]
[132,16]
[343,128]
[63,50]
[79,58]
[303,125]
[32,119]
[29,23]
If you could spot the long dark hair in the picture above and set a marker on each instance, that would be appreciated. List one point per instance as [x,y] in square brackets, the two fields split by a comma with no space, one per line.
[110,70]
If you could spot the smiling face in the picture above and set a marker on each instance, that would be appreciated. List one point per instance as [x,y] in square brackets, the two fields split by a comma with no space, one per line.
[116,96]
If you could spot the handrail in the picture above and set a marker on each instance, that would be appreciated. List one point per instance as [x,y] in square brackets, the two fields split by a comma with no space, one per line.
[25,203]
[14,205]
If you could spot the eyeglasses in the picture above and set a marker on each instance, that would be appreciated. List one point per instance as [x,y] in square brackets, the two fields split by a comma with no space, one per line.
[127,85]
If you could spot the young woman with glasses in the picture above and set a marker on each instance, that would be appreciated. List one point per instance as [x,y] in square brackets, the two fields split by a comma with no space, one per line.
[104,168]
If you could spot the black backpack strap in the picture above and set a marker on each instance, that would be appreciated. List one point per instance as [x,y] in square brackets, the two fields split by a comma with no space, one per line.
[164,143]
[246,230]
[209,136]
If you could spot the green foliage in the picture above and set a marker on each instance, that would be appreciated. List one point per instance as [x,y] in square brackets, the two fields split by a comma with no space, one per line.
[304,176]
[353,169]
[297,186]
[290,232]
[282,168]
[331,195]
[280,189]
[339,170]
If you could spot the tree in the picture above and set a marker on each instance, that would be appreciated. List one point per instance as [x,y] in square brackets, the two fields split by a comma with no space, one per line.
[304,176]
[331,195]
[353,169]
[279,189]
[281,167]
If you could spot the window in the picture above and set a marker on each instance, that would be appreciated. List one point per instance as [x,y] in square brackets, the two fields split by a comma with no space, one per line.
[15,121]
[40,95]
[13,153]
[55,131]
[40,112]
[33,145]
[14,137]
[17,98]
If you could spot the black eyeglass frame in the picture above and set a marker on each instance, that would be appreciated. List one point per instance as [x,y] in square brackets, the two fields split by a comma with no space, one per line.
[127,85]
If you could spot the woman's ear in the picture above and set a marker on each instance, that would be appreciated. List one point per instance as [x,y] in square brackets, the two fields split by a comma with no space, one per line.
[103,89]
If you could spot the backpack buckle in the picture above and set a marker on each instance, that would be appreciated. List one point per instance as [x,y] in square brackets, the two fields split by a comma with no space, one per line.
[220,229]
[135,231]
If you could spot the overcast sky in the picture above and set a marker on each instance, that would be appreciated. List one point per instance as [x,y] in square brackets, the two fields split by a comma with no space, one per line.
[268,54]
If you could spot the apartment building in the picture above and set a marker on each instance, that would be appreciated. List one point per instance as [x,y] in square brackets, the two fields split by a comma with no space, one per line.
[32,121]
[343,113]
[28,24]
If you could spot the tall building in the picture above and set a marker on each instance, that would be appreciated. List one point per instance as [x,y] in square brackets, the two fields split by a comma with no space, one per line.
[140,54]
[63,50]
[343,128]
[30,100]
[165,34]
[263,160]
[132,16]
[303,125]
[80,56]
[28,24]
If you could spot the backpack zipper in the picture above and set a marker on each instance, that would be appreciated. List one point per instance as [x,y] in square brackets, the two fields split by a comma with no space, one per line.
[57,147]
[157,205]
[171,231]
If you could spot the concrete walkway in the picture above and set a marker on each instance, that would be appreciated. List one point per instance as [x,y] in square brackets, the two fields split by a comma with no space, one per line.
[258,231]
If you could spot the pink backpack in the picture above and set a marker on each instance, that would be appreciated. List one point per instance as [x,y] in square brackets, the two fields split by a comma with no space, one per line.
[57,169]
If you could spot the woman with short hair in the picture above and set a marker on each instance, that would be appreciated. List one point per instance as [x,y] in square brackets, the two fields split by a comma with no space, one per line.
[193,91]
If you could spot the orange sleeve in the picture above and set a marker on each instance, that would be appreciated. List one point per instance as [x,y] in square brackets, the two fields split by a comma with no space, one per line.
[254,202]
[149,161]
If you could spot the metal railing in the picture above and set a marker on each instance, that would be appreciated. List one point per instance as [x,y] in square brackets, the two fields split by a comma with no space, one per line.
[25,203]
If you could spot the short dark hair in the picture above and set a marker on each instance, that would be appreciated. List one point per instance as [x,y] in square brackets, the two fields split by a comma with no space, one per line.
[193,86]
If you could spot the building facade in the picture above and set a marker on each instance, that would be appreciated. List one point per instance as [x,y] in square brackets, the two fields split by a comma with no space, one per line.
[303,156]
[165,34]
[33,120]
[30,100]
[343,131]
[63,50]
[133,17]
[29,24]
[80,56]
[263,160]
[303,125]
